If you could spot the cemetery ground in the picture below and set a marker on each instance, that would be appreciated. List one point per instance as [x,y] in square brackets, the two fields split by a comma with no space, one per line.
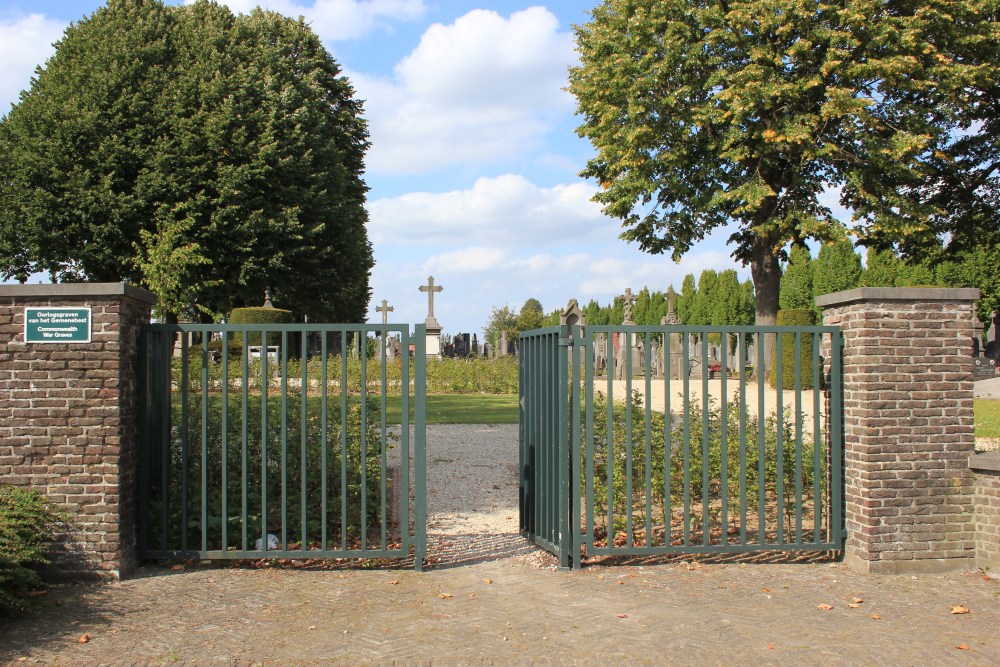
[489,597]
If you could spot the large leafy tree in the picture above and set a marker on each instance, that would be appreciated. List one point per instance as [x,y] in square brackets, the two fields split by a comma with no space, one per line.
[203,155]
[709,113]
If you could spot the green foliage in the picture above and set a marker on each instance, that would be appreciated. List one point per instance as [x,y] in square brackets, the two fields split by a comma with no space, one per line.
[472,376]
[686,300]
[197,153]
[804,317]
[689,466]
[705,114]
[361,467]
[837,268]
[702,311]
[797,280]
[259,315]
[501,319]
[28,523]
[531,316]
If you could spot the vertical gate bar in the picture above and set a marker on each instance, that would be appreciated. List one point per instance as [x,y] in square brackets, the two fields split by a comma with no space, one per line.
[629,444]
[550,371]
[145,431]
[610,431]
[264,338]
[184,440]
[588,391]
[562,451]
[523,483]
[743,436]
[779,413]
[284,440]
[686,473]
[303,434]
[798,437]
[817,440]
[576,347]
[343,439]
[404,434]
[204,441]
[836,417]
[382,439]
[724,435]
[324,440]
[166,423]
[761,451]
[245,437]
[706,532]
[362,335]
[537,444]
[224,510]
[668,444]
[420,430]
[648,372]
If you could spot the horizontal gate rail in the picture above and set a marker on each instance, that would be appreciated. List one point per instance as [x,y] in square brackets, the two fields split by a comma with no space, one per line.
[274,441]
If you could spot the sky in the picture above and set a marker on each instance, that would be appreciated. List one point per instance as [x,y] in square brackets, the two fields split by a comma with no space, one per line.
[474,165]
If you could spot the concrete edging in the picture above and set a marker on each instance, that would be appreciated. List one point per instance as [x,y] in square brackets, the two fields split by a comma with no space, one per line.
[76,290]
[898,294]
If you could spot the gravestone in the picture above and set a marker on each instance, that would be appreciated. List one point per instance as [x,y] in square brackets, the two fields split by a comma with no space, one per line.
[475,346]
[503,345]
[676,350]
[433,327]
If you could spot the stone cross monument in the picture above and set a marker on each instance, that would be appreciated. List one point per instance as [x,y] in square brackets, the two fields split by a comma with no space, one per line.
[385,309]
[628,299]
[433,326]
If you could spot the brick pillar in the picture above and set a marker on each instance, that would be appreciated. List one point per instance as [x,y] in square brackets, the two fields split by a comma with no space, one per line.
[908,427]
[69,418]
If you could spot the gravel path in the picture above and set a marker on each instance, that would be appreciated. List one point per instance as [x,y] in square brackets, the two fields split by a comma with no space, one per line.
[472,505]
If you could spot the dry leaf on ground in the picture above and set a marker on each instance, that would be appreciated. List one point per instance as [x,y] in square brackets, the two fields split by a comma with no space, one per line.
[487,581]
[876,617]
[84,638]
[963,647]
[824,607]
[959,609]
[445,596]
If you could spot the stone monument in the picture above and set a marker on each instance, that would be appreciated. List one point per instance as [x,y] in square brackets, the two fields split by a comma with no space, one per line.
[433,326]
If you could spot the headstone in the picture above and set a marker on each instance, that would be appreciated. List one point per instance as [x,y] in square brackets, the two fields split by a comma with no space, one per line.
[992,347]
[475,346]
[503,346]
[600,354]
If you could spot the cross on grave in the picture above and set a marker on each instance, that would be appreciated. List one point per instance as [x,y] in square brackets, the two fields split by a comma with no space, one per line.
[430,288]
[628,298]
[385,309]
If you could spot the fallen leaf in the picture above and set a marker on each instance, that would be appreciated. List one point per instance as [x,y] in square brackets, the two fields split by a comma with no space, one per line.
[963,647]
[766,590]
[394,582]
[853,605]
[177,568]
[770,647]
[959,609]
[84,638]
[857,600]
[621,583]
[487,581]
[445,596]
[824,607]
[622,615]
[312,627]
[876,617]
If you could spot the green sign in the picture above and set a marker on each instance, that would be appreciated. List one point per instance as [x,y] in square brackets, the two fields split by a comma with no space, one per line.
[57,325]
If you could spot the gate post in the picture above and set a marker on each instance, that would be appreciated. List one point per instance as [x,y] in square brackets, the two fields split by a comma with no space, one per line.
[69,414]
[908,427]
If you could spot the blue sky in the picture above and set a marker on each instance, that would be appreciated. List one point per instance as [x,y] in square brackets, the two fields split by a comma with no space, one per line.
[474,162]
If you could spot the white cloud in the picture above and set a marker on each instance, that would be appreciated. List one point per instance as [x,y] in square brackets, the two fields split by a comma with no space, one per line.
[339,19]
[25,42]
[506,210]
[480,89]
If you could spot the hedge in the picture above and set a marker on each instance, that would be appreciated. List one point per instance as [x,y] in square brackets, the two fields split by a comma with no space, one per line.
[794,317]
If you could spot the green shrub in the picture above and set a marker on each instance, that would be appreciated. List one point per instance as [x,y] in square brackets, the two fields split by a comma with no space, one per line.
[28,523]
[752,467]
[259,316]
[794,318]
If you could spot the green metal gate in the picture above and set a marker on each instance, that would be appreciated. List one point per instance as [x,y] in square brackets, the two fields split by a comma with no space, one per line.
[282,441]
[674,444]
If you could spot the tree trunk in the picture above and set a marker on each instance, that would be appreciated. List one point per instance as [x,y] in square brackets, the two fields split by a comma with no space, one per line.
[765,269]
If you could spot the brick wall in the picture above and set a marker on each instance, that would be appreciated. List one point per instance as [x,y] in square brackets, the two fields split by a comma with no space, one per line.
[987,510]
[69,418]
[908,427]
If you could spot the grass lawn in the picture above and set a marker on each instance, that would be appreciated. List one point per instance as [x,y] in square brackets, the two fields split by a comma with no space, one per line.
[463,409]
[987,417]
